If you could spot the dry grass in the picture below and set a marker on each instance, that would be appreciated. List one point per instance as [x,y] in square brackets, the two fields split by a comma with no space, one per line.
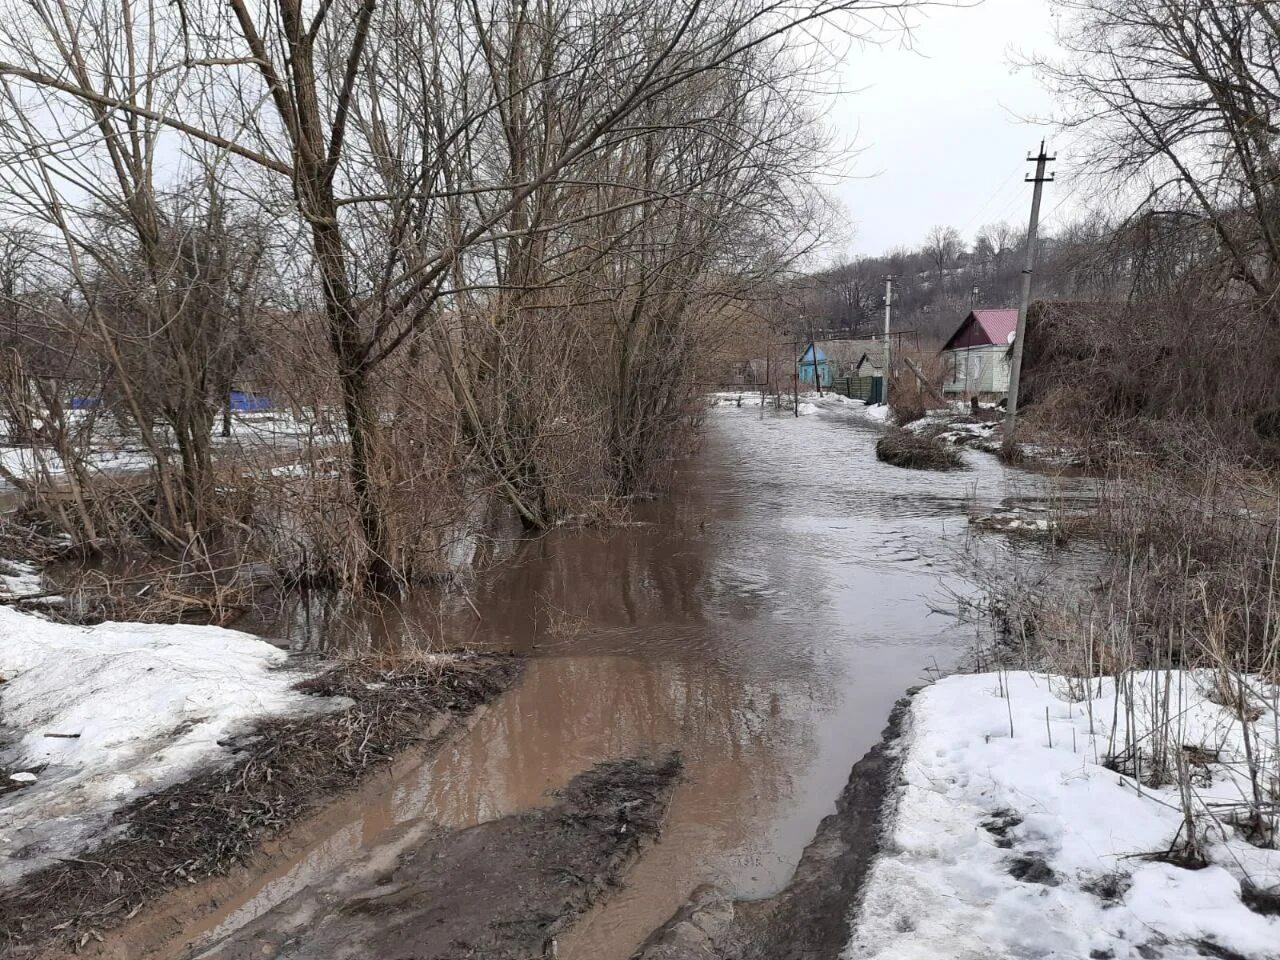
[1168,378]
[1189,583]
[909,399]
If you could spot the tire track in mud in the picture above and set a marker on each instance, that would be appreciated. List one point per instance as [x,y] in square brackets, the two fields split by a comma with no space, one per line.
[501,890]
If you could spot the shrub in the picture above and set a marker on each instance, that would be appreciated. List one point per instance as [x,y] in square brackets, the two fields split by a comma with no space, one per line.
[909,399]
[906,448]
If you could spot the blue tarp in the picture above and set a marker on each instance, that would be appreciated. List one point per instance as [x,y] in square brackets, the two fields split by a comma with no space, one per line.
[244,402]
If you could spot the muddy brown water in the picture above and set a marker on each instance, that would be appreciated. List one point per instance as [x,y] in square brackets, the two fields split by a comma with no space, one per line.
[763,622]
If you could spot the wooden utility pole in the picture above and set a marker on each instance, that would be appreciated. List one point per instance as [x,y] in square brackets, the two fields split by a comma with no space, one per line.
[888,308]
[1029,262]
[817,374]
[795,380]
[764,387]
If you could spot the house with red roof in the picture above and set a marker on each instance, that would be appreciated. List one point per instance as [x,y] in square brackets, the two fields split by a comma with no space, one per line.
[976,358]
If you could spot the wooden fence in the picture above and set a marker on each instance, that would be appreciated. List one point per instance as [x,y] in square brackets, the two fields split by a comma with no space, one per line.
[866,389]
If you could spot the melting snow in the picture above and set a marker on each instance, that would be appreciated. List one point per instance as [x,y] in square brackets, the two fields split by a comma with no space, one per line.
[810,402]
[1008,847]
[19,579]
[99,715]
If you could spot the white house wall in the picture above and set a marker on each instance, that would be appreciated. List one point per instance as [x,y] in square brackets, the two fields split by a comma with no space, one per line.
[977,370]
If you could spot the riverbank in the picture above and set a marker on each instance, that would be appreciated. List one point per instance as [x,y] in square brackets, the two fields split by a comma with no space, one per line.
[994,819]
[143,758]
[505,889]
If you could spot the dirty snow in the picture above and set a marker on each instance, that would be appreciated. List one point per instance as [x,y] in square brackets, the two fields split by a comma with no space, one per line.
[978,808]
[111,451]
[18,579]
[959,429]
[136,707]
[280,428]
[878,412]
[1020,520]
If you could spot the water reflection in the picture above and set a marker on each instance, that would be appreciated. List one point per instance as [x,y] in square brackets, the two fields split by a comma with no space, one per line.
[763,623]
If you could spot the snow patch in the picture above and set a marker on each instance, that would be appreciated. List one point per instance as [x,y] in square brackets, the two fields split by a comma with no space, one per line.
[1007,846]
[810,402]
[101,715]
[18,579]
[28,463]
[1016,521]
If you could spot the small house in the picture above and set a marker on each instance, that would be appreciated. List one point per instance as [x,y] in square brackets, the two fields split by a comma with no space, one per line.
[843,355]
[976,358]
[869,366]
[814,368]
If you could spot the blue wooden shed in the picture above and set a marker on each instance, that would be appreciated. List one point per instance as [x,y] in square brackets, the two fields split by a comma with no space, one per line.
[814,368]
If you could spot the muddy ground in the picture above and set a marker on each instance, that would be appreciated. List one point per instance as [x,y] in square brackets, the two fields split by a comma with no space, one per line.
[204,827]
[809,919]
[501,890]
[506,889]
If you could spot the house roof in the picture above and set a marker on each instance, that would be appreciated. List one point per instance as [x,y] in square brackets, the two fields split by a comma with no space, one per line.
[809,353]
[983,327]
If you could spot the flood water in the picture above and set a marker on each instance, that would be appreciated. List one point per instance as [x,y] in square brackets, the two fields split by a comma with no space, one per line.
[763,621]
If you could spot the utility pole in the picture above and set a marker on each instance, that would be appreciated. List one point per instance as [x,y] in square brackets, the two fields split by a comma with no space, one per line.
[888,308]
[764,387]
[795,381]
[817,372]
[1029,262]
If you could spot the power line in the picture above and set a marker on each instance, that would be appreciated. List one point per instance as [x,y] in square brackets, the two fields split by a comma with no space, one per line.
[995,193]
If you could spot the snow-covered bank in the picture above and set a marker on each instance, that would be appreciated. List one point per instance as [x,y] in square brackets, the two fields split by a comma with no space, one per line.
[110,450]
[27,463]
[92,717]
[810,402]
[959,427]
[1027,846]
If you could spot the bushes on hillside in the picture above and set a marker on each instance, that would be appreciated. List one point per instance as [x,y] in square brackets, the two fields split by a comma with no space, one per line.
[1164,377]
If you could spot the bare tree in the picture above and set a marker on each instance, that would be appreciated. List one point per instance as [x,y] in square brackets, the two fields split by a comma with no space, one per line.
[993,246]
[1179,102]
[462,175]
[942,245]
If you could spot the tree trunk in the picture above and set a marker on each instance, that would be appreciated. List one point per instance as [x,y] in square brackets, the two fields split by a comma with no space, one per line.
[362,424]
[358,403]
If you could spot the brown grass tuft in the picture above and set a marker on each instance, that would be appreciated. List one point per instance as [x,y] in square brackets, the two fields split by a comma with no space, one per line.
[906,448]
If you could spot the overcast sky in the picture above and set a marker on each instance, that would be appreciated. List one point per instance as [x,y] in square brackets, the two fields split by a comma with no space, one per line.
[940,127]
